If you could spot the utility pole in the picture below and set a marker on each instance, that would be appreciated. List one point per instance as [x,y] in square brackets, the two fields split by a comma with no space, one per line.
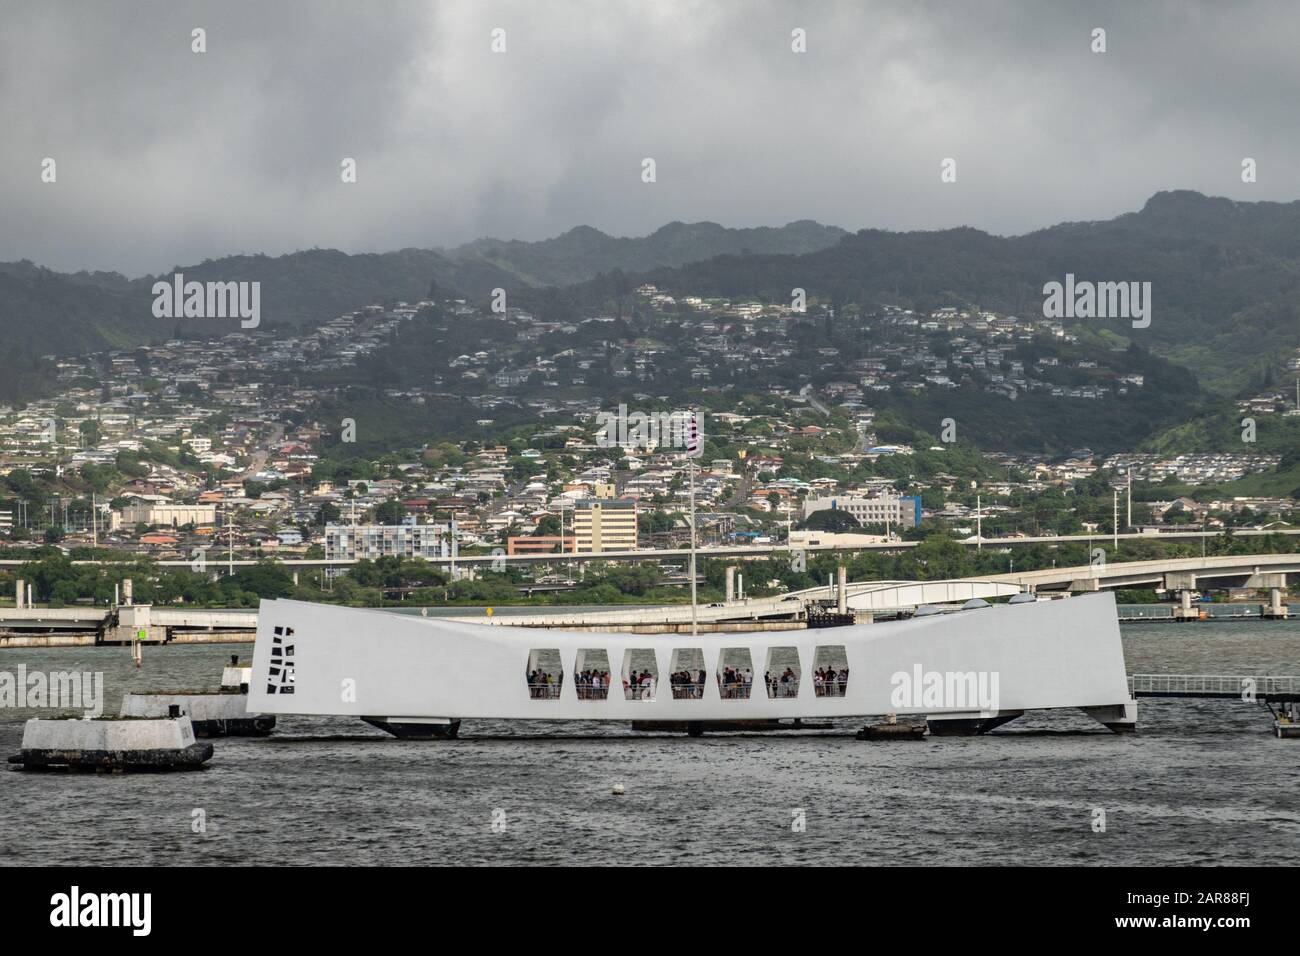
[1114,521]
[1128,521]
[979,524]
[454,545]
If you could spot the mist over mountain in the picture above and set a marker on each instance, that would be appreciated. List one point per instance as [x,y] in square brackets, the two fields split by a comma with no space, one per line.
[584,252]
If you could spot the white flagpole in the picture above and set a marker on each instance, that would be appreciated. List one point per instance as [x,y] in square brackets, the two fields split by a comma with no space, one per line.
[694,447]
[690,467]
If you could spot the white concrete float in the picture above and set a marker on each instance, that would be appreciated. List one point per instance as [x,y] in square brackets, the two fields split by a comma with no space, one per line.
[213,715]
[417,676]
[223,714]
[120,744]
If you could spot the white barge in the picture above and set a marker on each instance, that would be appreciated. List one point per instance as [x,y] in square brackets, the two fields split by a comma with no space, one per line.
[965,672]
[108,744]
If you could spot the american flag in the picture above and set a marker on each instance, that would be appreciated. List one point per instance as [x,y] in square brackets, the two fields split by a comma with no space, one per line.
[694,440]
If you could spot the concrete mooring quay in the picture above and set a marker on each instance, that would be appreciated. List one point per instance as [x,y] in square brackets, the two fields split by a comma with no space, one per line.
[123,624]
[74,627]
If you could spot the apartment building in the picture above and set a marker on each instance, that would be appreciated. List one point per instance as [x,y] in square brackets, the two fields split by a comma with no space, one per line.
[900,510]
[607,524]
[408,540]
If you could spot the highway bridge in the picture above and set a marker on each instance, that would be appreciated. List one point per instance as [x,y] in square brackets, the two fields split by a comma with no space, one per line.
[1180,575]
[865,599]
[681,555]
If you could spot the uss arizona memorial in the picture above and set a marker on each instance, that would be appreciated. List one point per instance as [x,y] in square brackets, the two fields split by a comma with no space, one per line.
[965,671]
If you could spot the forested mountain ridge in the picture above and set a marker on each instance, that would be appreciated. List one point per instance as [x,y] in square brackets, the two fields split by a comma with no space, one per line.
[1225,276]
[1225,279]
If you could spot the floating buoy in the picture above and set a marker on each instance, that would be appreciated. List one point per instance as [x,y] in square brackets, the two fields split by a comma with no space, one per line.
[618,790]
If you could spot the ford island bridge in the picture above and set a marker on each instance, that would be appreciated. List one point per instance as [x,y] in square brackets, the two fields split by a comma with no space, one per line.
[837,602]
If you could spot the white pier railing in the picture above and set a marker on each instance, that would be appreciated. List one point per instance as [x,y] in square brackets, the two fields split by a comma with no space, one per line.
[1214,685]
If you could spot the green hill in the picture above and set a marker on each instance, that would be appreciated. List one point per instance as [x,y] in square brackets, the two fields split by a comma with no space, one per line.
[1225,276]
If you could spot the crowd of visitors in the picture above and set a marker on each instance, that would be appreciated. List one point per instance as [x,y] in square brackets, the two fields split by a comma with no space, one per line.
[639,686]
[735,684]
[592,684]
[828,682]
[543,685]
[785,684]
[685,686]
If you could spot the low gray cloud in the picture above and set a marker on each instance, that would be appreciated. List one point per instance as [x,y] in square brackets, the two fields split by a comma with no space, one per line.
[167,157]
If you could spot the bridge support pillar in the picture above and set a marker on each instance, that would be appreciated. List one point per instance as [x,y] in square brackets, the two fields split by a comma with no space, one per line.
[842,589]
[969,725]
[1118,718]
[864,617]
[1184,610]
[1086,585]
[731,583]
[19,594]
[1276,610]
[295,579]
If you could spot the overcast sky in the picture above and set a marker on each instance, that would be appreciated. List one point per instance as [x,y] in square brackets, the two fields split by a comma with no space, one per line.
[166,157]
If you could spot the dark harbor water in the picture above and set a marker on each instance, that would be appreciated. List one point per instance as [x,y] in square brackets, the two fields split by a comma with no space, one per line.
[1200,783]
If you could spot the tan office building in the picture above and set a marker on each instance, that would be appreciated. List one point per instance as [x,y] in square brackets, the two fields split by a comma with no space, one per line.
[168,513]
[607,524]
